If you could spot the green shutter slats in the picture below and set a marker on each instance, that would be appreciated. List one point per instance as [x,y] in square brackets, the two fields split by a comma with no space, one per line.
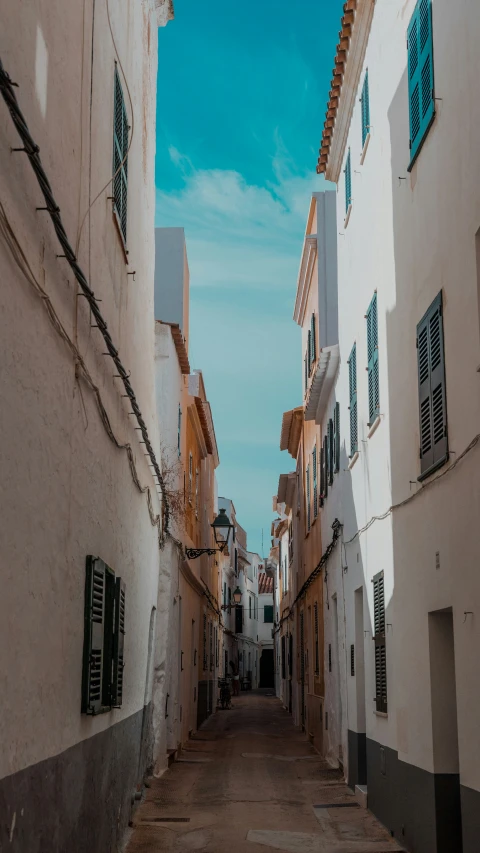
[326,457]
[306,371]
[420,75]
[431,390]
[120,156]
[336,435]
[379,622]
[307,477]
[118,644]
[331,451]
[365,102]
[348,182]
[352,381]
[372,354]
[315,483]
[313,342]
[322,475]
[93,648]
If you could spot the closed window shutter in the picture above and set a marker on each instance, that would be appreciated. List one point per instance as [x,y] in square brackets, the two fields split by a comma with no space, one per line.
[420,75]
[317,658]
[326,454]
[179,431]
[309,351]
[348,182]
[372,352]
[305,378]
[205,660]
[331,451]
[352,381]
[315,486]
[431,390]
[365,99]
[380,648]
[322,475]
[94,633]
[307,476]
[120,158]
[313,341]
[352,659]
[118,643]
[336,435]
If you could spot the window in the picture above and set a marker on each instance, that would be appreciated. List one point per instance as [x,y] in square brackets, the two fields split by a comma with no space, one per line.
[315,627]
[372,353]
[313,342]
[197,476]
[331,451]
[224,593]
[348,182]
[290,541]
[431,390]
[315,487]
[238,620]
[283,658]
[329,657]
[104,636]
[205,656]
[120,156]
[352,659]
[305,376]
[307,478]
[379,637]
[352,383]
[365,101]
[420,76]
[190,477]
[326,457]
[210,641]
[336,438]
[249,606]
[179,432]
[268,613]
[236,563]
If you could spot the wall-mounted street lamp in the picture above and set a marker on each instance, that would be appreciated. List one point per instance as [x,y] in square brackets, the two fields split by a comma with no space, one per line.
[221,530]
[236,599]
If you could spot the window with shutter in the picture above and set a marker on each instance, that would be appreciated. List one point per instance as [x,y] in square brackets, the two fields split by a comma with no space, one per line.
[308,496]
[118,644]
[268,613]
[420,76]
[309,351]
[120,156]
[313,342]
[331,451]
[336,438]
[238,620]
[93,648]
[205,657]
[179,431]
[365,102]
[380,648]
[329,657]
[431,390]
[210,637]
[305,377]
[322,475]
[372,353]
[315,626]
[352,382]
[348,182]
[315,486]
[326,456]
[352,659]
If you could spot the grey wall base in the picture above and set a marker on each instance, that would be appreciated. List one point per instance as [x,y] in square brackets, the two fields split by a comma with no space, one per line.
[357,758]
[421,809]
[78,801]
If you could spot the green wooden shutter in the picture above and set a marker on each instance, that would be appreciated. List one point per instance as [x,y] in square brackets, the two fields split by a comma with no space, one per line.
[372,352]
[315,485]
[307,477]
[93,645]
[322,475]
[306,371]
[380,647]
[268,613]
[313,341]
[365,100]
[352,381]
[118,644]
[120,158]
[331,451]
[431,390]
[348,182]
[326,455]
[336,435]
[420,75]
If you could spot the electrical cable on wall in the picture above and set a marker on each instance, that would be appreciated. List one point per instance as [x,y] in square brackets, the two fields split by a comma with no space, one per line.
[32,151]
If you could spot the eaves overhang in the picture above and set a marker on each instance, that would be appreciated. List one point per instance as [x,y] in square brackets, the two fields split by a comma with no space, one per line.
[322,384]
[356,23]
[286,489]
[307,263]
[180,347]
[291,431]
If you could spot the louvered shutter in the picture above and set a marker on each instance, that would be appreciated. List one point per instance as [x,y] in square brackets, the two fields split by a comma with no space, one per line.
[94,633]
[352,659]
[352,381]
[313,341]
[431,390]
[322,475]
[317,658]
[326,454]
[380,648]
[372,352]
[348,182]
[365,100]
[118,644]
[331,451]
[120,158]
[205,660]
[336,436]
[305,378]
[307,477]
[309,351]
[420,75]
[315,486]
[283,658]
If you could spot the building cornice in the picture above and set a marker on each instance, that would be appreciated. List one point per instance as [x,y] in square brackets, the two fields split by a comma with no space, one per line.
[307,263]
[356,23]
[291,431]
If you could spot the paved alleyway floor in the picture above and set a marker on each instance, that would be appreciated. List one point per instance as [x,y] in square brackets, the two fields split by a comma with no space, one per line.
[250,782]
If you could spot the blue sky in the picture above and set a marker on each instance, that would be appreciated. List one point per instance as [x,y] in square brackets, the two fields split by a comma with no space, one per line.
[242,92]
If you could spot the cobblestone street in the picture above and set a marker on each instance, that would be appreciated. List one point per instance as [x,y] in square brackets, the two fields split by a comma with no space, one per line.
[250,780]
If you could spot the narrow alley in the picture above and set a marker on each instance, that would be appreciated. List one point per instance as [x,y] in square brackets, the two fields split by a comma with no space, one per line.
[249,779]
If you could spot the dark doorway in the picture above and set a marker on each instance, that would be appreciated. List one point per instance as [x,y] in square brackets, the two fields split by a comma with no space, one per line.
[267,676]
